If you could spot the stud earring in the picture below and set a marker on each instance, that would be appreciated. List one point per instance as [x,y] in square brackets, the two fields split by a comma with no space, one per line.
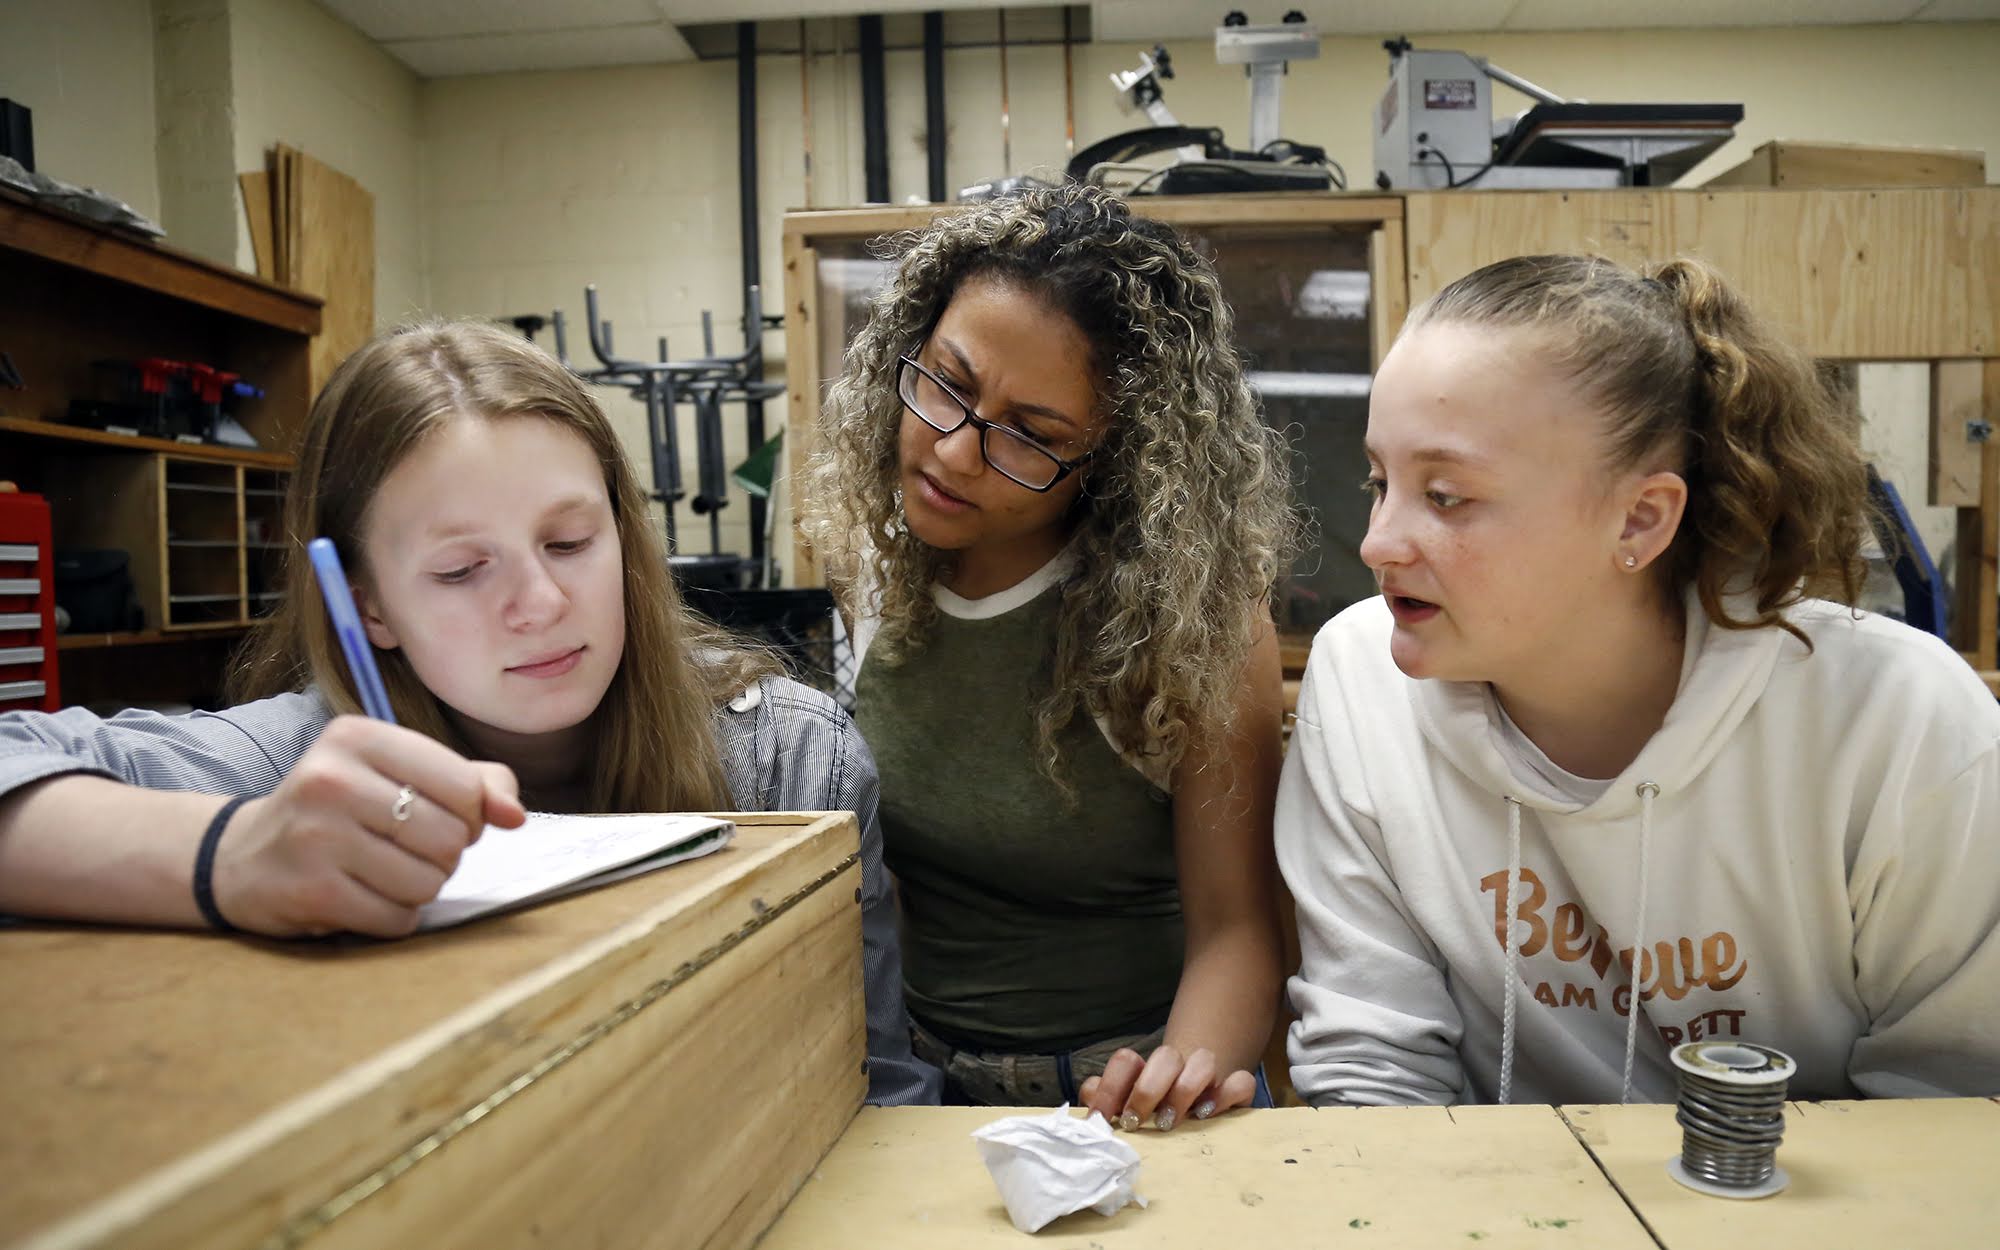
[1631,562]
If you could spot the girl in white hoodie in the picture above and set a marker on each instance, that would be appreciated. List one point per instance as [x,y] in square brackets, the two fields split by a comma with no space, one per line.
[1604,691]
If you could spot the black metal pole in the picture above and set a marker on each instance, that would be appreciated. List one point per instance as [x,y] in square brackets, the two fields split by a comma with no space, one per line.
[874,112]
[753,322]
[666,473]
[753,421]
[934,102]
[746,145]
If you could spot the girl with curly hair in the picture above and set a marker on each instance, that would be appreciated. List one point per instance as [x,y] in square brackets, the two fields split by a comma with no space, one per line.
[1054,518]
[1605,768]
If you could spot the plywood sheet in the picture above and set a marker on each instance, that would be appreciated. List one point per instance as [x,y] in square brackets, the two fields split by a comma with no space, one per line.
[803,388]
[284,215]
[256,188]
[1389,303]
[1957,404]
[336,260]
[1900,274]
[1976,615]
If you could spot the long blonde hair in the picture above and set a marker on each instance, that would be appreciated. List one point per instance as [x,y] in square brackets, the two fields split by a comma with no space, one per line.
[655,746]
[1186,517]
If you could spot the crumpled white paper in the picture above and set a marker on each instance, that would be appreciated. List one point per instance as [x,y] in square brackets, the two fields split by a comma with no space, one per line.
[1050,1165]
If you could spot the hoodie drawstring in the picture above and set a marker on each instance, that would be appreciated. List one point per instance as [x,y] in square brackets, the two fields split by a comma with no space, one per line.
[1647,793]
[1512,963]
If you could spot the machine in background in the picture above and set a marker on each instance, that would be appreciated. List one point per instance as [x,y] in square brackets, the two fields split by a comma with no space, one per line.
[1206,163]
[1434,130]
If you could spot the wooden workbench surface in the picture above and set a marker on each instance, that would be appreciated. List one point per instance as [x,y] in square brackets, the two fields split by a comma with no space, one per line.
[1889,1174]
[1878,1174]
[137,1061]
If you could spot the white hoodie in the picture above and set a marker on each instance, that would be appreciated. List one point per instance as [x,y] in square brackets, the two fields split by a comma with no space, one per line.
[1818,870]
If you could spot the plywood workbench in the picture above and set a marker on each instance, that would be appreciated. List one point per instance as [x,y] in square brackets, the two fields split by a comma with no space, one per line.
[676,1061]
[658,1062]
[1863,1174]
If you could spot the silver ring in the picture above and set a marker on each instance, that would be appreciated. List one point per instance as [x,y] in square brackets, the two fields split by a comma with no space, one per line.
[406,798]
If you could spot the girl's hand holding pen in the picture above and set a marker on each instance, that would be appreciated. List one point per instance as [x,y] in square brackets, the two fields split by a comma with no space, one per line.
[364,830]
[369,824]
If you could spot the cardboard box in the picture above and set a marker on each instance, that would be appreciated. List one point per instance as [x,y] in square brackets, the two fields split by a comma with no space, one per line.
[659,1062]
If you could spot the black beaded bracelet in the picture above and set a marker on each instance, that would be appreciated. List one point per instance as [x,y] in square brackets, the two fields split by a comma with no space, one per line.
[204,866]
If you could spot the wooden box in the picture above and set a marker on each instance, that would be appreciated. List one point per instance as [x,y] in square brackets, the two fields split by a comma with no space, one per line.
[657,1063]
[1790,163]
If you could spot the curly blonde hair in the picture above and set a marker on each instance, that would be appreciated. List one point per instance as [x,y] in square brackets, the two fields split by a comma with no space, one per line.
[1186,518]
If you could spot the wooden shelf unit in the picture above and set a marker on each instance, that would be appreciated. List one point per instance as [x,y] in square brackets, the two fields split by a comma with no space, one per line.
[196,519]
[50,431]
[146,637]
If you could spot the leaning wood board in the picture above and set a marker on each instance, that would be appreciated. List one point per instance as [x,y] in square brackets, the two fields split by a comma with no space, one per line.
[335,259]
[256,188]
[660,1061]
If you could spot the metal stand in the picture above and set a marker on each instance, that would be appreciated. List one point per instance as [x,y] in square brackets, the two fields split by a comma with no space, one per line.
[707,382]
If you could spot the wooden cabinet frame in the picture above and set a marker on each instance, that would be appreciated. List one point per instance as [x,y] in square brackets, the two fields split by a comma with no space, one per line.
[1909,274]
[807,233]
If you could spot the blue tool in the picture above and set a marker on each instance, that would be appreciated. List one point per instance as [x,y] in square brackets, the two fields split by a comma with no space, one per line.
[347,627]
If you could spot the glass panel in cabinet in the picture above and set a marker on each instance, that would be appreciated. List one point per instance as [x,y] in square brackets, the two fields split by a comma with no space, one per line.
[1301,297]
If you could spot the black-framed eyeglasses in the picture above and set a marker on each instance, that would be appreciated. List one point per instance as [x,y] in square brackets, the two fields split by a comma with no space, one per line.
[1021,459]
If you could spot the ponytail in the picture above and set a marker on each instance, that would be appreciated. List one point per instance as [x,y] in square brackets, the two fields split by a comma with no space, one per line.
[1687,376]
[1777,498]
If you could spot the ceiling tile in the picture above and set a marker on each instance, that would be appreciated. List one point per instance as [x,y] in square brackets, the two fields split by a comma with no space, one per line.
[688,12]
[1959,11]
[567,49]
[1649,14]
[1148,21]
[386,20]
[442,37]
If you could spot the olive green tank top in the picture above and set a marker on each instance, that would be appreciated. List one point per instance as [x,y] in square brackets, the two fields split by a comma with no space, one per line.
[1032,923]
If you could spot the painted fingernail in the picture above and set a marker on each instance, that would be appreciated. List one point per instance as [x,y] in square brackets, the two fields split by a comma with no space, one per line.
[1129,1121]
[1204,1109]
[1165,1120]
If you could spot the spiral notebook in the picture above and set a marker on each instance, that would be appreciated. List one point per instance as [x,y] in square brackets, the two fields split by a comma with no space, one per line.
[552,855]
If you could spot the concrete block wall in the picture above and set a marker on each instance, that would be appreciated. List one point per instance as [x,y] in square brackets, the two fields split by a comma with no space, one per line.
[301,76]
[86,69]
[505,194]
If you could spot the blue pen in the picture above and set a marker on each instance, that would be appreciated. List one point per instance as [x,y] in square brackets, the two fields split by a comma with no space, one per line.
[347,627]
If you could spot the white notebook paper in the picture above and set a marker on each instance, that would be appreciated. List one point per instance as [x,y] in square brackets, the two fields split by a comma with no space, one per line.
[552,855]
